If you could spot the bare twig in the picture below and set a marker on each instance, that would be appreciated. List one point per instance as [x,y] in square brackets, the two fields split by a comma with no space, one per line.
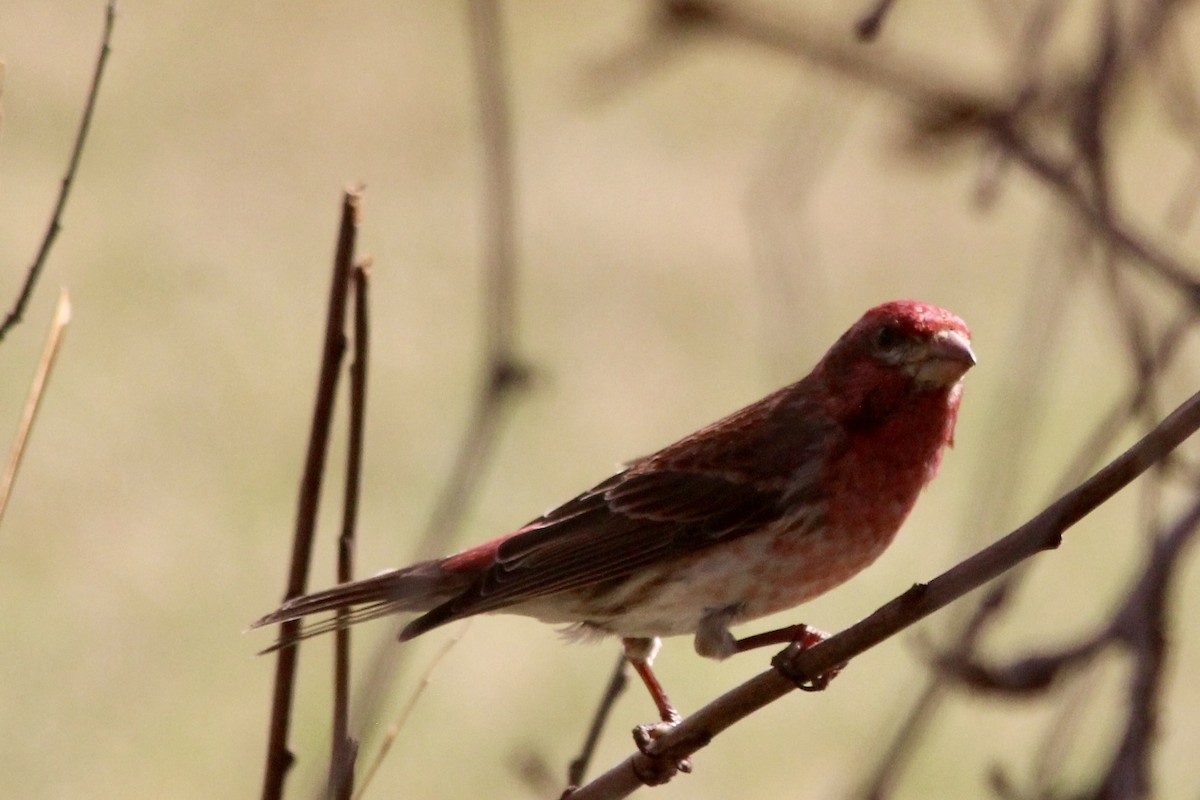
[793,665]
[35,269]
[279,758]
[345,747]
[62,317]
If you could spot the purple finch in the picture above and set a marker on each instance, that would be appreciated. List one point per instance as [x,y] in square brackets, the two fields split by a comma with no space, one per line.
[757,513]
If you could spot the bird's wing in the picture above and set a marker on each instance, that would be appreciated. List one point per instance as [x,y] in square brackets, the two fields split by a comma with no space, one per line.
[659,509]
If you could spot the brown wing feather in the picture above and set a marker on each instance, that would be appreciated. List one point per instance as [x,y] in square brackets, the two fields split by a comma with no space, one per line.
[680,500]
[671,513]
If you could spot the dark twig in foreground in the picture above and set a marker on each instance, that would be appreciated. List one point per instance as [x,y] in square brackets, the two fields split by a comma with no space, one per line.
[35,269]
[279,758]
[345,747]
[1043,532]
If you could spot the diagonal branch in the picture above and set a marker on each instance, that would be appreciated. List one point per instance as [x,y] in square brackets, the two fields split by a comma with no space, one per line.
[1043,532]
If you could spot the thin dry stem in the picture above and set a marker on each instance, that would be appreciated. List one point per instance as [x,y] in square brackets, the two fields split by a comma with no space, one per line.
[58,327]
[393,731]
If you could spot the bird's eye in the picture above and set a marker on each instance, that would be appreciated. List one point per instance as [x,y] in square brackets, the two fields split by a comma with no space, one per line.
[887,338]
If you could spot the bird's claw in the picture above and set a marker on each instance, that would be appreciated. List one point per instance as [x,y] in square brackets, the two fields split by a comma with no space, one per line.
[645,735]
[784,661]
[646,738]
[819,683]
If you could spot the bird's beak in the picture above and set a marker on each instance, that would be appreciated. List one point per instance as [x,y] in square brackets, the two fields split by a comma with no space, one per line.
[944,360]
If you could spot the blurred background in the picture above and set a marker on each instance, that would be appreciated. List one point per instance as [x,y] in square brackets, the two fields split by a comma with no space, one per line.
[705,200]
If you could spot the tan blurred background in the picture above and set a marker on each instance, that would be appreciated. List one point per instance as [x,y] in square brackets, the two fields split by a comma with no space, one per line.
[696,224]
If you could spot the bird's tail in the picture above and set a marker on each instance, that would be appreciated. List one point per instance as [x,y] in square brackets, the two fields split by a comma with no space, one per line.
[419,587]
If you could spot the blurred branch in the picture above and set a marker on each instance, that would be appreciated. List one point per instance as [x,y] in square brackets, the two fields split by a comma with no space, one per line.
[58,327]
[35,269]
[806,38]
[1139,625]
[345,747]
[948,109]
[794,665]
[1106,223]
[279,758]
[503,373]
[616,685]
[868,26]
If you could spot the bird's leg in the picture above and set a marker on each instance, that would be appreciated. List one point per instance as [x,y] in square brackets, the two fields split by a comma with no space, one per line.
[640,653]
[803,636]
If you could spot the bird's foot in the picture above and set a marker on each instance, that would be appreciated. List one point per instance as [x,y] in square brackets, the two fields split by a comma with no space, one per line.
[661,767]
[644,736]
[803,637]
